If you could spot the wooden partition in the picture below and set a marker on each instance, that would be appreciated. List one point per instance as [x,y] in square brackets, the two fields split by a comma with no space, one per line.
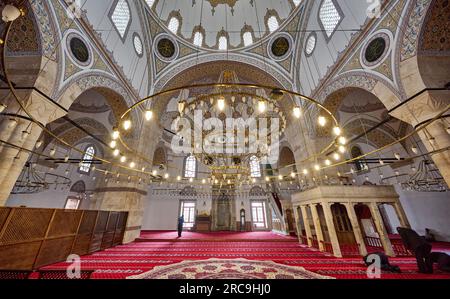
[33,238]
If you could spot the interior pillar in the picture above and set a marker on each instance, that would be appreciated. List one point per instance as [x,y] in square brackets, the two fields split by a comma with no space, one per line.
[331,229]
[317,226]
[381,229]
[356,228]
[401,215]
[297,225]
[307,225]
[423,108]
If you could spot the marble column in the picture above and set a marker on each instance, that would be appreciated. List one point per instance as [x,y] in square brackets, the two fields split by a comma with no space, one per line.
[436,136]
[356,228]
[297,225]
[401,215]
[331,229]
[317,226]
[307,225]
[381,229]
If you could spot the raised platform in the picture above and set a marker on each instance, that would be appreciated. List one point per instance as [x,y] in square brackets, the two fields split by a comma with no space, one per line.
[164,236]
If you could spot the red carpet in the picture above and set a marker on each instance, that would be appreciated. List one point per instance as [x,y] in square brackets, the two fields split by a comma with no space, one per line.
[162,236]
[140,257]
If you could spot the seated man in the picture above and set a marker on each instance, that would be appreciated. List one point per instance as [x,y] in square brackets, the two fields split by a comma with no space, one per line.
[442,259]
[418,245]
[385,265]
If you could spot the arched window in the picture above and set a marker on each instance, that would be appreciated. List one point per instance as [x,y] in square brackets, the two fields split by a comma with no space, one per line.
[248,38]
[329,16]
[174,24]
[137,42]
[310,44]
[360,165]
[190,167]
[273,24]
[255,167]
[198,39]
[150,3]
[86,162]
[223,43]
[121,17]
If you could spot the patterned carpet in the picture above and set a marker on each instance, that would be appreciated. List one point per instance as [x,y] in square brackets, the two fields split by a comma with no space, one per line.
[141,257]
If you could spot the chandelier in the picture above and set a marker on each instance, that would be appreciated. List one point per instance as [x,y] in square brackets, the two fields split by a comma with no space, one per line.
[32,181]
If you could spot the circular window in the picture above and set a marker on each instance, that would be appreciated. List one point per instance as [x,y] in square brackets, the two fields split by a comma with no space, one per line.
[310,44]
[79,50]
[375,49]
[166,48]
[138,47]
[280,46]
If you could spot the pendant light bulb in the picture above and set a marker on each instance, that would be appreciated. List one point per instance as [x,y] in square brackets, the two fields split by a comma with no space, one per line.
[262,106]
[149,115]
[297,111]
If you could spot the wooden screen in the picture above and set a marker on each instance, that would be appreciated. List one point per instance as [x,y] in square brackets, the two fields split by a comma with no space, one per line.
[32,238]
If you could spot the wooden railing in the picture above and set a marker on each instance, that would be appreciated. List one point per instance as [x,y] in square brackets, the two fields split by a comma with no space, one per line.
[399,248]
[33,238]
[304,239]
[314,242]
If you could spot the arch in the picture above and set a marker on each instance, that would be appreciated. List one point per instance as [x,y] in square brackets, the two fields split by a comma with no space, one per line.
[251,70]
[375,85]
[78,187]
[287,157]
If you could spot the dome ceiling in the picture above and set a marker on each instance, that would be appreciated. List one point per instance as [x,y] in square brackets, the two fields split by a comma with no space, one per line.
[223,24]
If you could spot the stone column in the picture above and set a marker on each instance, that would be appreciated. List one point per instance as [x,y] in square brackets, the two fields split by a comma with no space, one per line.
[401,215]
[43,111]
[317,226]
[307,225]
[356,228]
[381,229]
[331,229]
[425,107]
[297,224]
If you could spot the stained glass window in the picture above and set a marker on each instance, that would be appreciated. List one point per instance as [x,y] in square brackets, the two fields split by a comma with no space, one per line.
[190,167]
[248,38]
[174,23]
[198,39]
[273,24]
[255,167]
[86,163]
[223,43]
[138,44]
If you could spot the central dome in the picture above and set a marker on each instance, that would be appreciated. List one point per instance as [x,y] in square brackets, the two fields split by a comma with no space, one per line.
[223,24]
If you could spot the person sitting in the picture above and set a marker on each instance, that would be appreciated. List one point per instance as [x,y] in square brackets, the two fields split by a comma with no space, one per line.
[429,236]
[418,245]
[442,259]
[384,262]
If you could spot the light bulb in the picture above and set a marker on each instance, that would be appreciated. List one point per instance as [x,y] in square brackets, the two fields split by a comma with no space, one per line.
[397,156]
[327,162]
[154,172]
[322,121]
[253,180]
[66,159]
[280,177]
[267,179]
[415,150]
[10,13]
[203,181]
[115,134]
[52,152]
[166,176]
[221,104]
[148,115]
[38,144]
[262,106]
[342,149]
[305,171]
[127,124]
[113,144]
[297,111]
[191,180]
[132,165]
[293,175]
[337,131]
[116,152]
[381,162]
[336,156]
[3,107]
[123,159]
[178,178]
[342,140]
